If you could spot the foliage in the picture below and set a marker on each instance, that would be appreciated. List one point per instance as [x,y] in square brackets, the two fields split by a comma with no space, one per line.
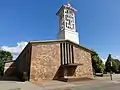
[108,67]
[97,63]
[116,64]
[4,56]
[115,67]
[22,76]
[25,76]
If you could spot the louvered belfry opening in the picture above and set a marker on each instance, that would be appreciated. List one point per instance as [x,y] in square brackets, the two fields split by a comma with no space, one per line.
[67,53]
[67,59]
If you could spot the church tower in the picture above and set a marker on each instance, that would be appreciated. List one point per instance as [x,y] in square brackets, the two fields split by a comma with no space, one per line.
[67,26]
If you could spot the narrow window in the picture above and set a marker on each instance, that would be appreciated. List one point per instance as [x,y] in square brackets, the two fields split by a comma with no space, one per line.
[67,53]
[61,53]
[72,53]
[64,53]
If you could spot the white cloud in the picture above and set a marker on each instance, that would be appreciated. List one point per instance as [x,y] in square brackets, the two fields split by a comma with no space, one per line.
[116,57]
[16,50]
[104,60]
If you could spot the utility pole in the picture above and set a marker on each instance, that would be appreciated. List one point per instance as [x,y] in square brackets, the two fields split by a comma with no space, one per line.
[111,64]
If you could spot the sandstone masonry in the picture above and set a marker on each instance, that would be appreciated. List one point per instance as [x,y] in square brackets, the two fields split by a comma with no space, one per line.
[49,60]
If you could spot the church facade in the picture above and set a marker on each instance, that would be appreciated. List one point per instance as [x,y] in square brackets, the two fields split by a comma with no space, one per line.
[59,59]
[55,60]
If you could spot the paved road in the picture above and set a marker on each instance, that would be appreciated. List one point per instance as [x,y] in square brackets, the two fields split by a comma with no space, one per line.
[91,85]
[94,87]
[13,85]
[101,85]
[98,84]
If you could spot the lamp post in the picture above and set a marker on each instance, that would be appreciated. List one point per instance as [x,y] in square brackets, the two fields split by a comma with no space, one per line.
[111,64]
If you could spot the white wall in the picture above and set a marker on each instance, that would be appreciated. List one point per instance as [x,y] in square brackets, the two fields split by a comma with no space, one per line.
[68,35]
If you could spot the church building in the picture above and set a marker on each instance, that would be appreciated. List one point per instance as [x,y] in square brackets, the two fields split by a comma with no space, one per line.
[60,59]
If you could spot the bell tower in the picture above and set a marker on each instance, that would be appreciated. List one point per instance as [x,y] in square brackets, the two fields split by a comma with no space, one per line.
[67,26]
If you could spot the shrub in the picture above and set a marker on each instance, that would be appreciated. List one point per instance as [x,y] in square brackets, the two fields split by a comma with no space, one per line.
[25,76]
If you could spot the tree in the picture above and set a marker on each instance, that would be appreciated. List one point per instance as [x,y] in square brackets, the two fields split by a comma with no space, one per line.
[4,56]
[115,66]
[97,63]
[108,67]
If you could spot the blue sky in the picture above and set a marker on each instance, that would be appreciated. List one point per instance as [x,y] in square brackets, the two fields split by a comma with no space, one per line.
[97,21]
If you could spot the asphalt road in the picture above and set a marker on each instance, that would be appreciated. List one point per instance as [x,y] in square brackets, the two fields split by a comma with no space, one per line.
[102,87]
[103,83]
[112,85]
[99,84]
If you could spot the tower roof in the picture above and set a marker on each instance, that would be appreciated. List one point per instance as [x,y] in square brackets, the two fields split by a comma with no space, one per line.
[66,6]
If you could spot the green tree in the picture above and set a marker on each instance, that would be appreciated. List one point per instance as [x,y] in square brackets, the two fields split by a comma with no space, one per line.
[108,67]
[115,67]
[4,56]
[97,63]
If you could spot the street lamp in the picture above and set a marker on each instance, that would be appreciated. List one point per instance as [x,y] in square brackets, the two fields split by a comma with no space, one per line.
[111,64]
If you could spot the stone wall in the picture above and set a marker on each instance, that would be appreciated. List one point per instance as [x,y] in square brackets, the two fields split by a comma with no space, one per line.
[8,65]
[23,60]
[42,61]
[45,61]
[83,57]
[9,68]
